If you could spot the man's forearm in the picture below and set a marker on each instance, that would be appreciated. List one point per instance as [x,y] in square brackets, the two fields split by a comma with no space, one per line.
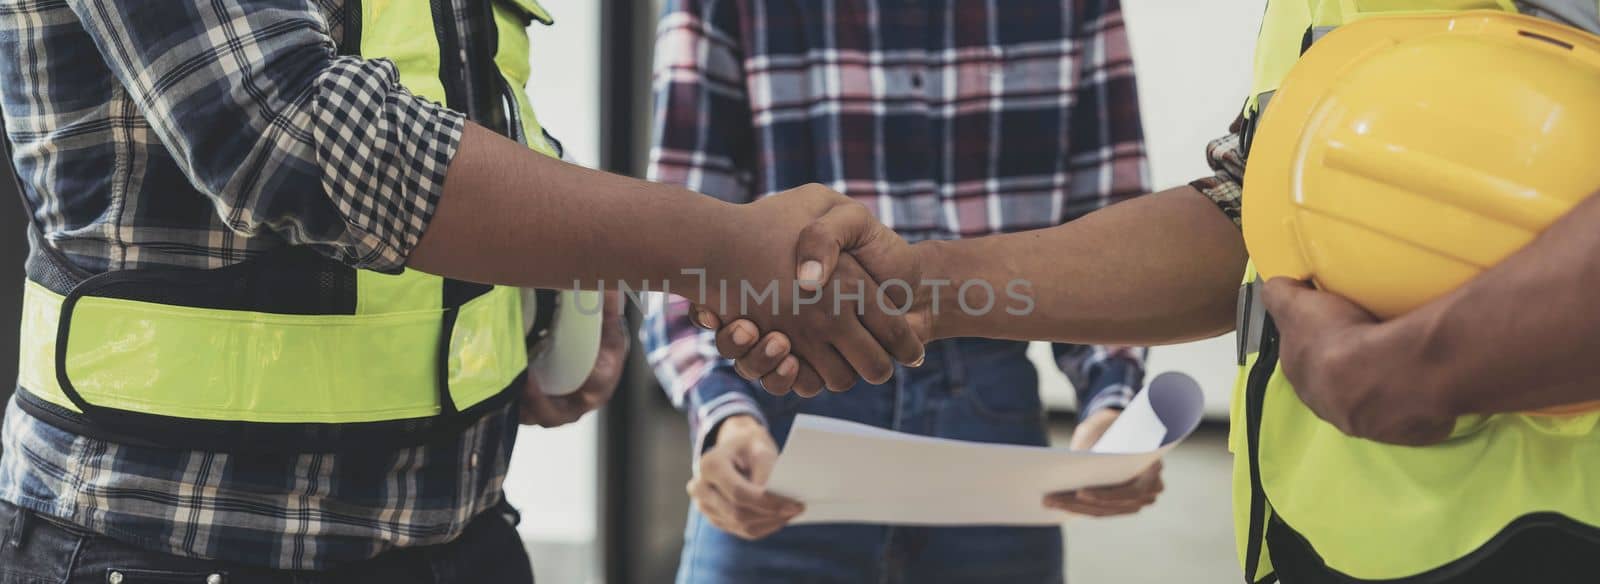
[1523,335]
[1158,269]
[511,216]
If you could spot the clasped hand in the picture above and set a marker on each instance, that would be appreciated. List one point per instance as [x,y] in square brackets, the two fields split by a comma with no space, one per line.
[827,315]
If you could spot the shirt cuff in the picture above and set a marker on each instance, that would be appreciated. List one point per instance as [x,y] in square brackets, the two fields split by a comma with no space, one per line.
[724,395]
[1109,383]
[385,153]
[1115,396]
[1224,187]
[1223,192]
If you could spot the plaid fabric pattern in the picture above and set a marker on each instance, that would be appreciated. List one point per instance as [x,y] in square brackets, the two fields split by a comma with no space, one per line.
[386,201]
[217,131]
[1108,375]
[197,135]
[948,118]
[1227,160]
[295,513]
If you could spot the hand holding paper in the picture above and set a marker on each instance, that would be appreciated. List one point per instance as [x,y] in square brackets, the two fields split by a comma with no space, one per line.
[1110,501]
[853,473]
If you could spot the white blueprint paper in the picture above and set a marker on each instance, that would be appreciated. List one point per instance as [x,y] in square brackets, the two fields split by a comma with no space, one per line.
[846,472]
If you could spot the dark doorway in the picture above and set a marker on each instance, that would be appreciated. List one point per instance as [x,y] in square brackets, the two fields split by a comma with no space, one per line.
[13,248]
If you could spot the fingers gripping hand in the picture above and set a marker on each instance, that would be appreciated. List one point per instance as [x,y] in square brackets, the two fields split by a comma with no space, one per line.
[839,332]
[766,359]
[861,340]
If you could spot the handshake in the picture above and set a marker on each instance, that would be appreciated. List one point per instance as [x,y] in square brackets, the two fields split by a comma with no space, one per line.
[825,294]
[839,295]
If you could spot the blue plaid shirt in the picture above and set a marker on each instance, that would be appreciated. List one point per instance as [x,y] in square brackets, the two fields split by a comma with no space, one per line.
[198,135]
[947,118]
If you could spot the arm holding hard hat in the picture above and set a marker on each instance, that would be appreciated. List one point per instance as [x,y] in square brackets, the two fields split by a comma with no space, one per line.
[1521,336]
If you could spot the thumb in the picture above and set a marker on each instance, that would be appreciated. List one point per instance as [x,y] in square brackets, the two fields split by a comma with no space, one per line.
[843,227]
[1281,295]
[1295,304]
[759,459]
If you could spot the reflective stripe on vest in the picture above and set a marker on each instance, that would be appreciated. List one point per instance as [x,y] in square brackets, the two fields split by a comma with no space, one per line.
[412,348]
[279,368]
[1373,511]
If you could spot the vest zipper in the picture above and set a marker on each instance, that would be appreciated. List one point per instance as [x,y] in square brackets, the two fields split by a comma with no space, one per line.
[491,81]
[454,74]
[450,74]
[508,101]
[351,43]
[1255,395]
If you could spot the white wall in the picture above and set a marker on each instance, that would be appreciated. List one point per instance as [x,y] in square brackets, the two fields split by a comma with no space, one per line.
[1193,62]
[554,476]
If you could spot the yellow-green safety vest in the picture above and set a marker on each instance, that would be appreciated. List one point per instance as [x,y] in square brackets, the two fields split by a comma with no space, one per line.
[292,351]
[1372,511]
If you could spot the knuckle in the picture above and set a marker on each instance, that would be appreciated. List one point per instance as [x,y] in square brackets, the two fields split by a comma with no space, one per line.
[775,384]
[855,211]
[890,332]
[878,372]
[744,496]
[814,231]
[822,320]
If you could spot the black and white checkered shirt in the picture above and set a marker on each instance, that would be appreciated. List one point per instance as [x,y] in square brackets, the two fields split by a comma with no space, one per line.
[199,135]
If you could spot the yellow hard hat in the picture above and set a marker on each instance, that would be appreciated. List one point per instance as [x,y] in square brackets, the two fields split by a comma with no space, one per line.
[1403,155]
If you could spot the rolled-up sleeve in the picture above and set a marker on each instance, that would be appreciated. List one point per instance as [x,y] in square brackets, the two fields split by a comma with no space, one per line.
[1225,186]
[283,135]
[1104,376]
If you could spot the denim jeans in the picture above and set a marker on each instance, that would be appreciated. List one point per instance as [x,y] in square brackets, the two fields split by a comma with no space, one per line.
[36,550]
[967,389]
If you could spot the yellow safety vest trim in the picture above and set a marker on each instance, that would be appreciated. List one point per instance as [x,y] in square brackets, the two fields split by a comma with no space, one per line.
[230,365]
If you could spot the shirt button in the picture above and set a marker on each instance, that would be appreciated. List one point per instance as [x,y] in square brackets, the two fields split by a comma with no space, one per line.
[916,81]
[472,461]
[114,577]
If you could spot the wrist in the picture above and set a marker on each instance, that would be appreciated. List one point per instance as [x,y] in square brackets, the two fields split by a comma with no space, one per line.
[703,262]
[731,426]
[1408,345]
[740,423]
[932,260]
